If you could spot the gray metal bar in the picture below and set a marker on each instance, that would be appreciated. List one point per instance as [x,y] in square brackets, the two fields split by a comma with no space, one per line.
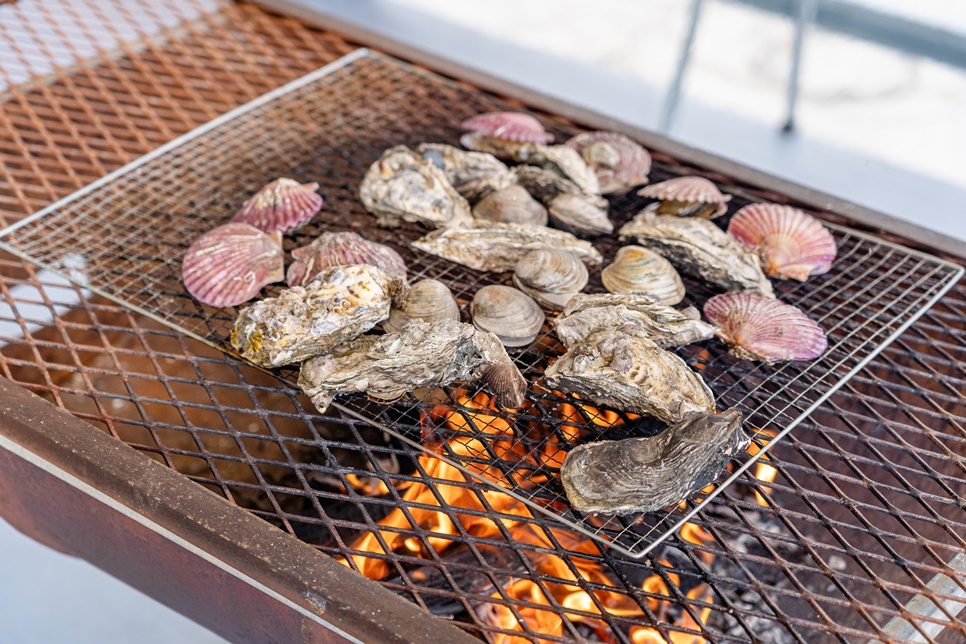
[924,606]
[806,16]
[674,92]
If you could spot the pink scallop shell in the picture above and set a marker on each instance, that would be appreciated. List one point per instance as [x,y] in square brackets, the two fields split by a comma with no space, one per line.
[284,205]
[761,328]
[230,264]
[791,243]
[634,162]
[510,126]
[340,249]
[690,189]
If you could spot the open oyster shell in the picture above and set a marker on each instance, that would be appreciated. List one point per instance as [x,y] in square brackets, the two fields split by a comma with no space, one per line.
[508,313]
[511,205]
[619,162]
[428,300]
[790,243]
[473,174]
[639,270]
[561,160]
[550,276]
[688,197]
[341,249]
[283,205]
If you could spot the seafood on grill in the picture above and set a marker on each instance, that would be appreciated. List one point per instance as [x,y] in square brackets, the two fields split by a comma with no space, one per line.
[283,205]
[561,160]
[619,162]
[341,303]
[230,264]
[570,208]
[630,373]
[550,276]
[428,300]
[790,243]
[633,314]
[473,174]
[419,355]
[639,270]
[497,247]
[403,186]
[698,247]
[341,249]
[511,205]
[498,133]
[508,313]
[687,197]
[652,473]
[761,328]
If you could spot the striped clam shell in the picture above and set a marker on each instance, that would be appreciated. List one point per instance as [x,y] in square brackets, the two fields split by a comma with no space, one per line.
[762,328]
[619,162]
[688,196]
[509,126]
[230,264]
[341,249]
[428,300]
[284,205]
[509,313]
[790,243]
[636,269]
[550,276]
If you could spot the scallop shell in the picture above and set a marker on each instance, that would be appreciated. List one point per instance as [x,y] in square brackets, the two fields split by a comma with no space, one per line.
[579,215]
[688,196]
[341,249]
[509,126]
[230,264]
[550,276]
[790,243]
[513,205]
[428,300]
[619,162]
[510,314]
[638,270]
[284,205]
[762,328]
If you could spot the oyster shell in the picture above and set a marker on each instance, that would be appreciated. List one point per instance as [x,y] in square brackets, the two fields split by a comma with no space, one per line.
[760,328]
[230,264]
[550,276]
[427,300]
[790,243]
[688,197]
[419,355]
[497,247]
[283,205]
[639,270]
[341,249]
[570,208]
[648,474]
[630,373]
[698,247]
[339,304]
[473,174]
[511,205]
[509,314]
[633,314]
[619,162]
[403,186]
[560,160]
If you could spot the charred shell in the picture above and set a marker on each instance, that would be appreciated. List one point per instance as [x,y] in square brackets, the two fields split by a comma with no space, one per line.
[341,249]
[508,313]
[639,270]
[428,300]
[473,174]
[512,205]
[550,276]
[619,162]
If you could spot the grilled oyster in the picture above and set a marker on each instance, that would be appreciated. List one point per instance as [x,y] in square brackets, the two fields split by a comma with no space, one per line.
[634,314]
[509,314]
[403,186]
[339,304]
[698,247]
[648,474]
[473,174]
[427,300]
[619,162]
[561,160]
[630,373]
[570,208]
[511,205]
[420,355]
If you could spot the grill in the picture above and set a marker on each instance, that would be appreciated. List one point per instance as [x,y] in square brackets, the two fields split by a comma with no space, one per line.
[864,518]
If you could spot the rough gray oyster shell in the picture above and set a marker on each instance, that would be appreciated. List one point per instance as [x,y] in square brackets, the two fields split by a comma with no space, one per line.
[473,174]
[420,355]
[698,247]
[633,314]
[561,160]
[570,208]
[341,303]
[648,474]
[630,373]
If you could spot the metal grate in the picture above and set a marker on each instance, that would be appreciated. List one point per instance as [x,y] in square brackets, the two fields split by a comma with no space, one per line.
[124,236]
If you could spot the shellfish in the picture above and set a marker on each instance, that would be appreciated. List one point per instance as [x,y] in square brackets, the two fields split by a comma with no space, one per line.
[472,174]
[761,328]
[341,249]
[429,301]
[511,205]
[688,197]
[639,270]
[648,474]
[508,313]
[283,205]
[619,162]
[550,276]
[570,208]
[560,160]
[498,133]
[230,264]
[790,243]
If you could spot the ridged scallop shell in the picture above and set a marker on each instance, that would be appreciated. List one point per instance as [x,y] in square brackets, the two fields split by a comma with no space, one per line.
[509,126]
[790,243]
[619,162]
[230,264]
[341,249]
[762,328]
[638,270]
[512,205]
[551,277]
[284,205]
[510,314]
[688,196]
[428,300]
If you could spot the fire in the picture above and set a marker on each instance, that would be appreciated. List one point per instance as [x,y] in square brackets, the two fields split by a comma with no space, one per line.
[763,471]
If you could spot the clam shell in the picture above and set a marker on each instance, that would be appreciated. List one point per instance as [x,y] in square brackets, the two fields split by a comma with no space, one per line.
[512,205]
[341,249]
[428,300]
[284,205]
[790,243]
[619,162]
[550,276]
[688,196]
[762,328]
[638,270]
[510,314]
[509,126]
[579,215]
[230,264]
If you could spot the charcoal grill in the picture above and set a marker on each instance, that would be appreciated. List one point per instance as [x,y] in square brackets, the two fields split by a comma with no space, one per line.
[858,536]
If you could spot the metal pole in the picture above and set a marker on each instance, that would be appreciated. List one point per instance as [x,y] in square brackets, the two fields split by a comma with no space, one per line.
[674,92]
[807,9]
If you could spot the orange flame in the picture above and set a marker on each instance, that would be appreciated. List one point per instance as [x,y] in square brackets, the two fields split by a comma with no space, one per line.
[763,471]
